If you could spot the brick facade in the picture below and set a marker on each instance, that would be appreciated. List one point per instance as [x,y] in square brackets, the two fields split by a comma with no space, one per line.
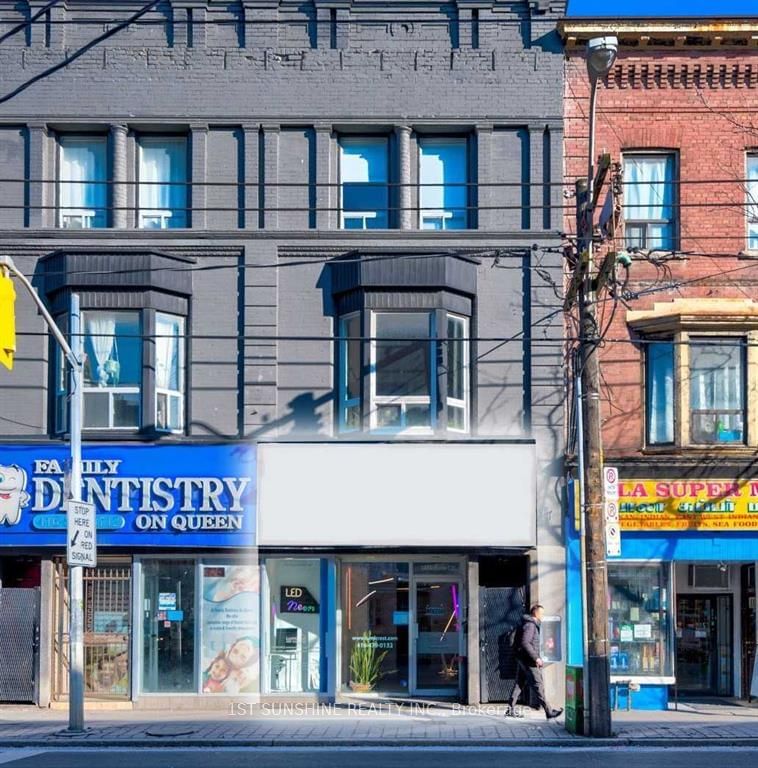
[693,96]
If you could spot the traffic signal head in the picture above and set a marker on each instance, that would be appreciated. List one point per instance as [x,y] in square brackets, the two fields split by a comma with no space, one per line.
[7,320]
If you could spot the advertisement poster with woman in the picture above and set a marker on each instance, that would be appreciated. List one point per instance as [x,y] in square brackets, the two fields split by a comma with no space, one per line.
[230,629]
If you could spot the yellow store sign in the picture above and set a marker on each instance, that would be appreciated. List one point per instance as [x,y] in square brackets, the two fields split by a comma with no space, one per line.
[688,505]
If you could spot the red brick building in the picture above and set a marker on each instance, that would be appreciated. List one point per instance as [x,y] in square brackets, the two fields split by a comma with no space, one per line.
[679,112]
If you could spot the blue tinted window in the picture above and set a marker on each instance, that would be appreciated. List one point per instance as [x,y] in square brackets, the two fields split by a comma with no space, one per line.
[364,175]
[443,177]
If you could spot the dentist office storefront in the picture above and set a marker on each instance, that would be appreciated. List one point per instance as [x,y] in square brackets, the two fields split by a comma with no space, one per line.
[172,609]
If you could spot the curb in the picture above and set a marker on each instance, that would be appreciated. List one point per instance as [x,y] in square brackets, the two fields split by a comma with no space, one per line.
[70,742]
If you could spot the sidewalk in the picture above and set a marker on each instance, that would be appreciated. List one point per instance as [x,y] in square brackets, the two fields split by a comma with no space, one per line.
[367,724]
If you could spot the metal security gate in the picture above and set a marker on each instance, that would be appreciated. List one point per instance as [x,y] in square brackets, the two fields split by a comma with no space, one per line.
[501,609]
[19,644]
[107,631]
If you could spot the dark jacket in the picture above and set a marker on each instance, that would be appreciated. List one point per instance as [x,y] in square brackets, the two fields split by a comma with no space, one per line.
[529,641]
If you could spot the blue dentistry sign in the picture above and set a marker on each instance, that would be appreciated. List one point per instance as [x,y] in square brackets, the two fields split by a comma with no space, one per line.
[144,495]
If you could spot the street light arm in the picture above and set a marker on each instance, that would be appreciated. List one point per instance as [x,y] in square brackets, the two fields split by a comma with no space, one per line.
[7,263]
[589,209]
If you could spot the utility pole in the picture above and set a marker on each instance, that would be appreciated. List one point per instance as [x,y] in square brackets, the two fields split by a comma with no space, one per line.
[76,572]
[601,53]
[74,356]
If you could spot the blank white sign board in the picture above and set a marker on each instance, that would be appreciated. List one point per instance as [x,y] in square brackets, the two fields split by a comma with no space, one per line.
[404,494]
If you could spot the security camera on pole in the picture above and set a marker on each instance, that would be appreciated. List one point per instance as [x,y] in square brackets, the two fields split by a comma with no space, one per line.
[81,545]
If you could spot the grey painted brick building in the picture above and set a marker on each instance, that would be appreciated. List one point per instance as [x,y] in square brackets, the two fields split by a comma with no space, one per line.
[327,231]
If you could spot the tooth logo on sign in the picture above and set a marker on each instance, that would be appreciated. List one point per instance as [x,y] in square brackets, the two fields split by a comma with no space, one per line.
[13,495]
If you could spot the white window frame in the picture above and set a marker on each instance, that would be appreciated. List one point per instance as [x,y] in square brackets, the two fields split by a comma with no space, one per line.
[452,401]
[630,156]
[66,216]
[363,216]
[739,340]
[428,216]
[111,391]
[404,401]
[346,402]
[751,208]
[166,391]
[158,213]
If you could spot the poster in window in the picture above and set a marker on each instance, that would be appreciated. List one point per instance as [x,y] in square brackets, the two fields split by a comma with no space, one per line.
[230,629]
[550,638]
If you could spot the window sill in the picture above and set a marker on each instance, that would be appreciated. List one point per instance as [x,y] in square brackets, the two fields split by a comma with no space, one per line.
[698,450]
[378,435]
[644,679]
[125,436]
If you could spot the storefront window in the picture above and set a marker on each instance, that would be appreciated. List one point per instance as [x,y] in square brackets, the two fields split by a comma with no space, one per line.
[230,655]
[375,621]
[169,626]
[293,656]
[639,619]
[107,627]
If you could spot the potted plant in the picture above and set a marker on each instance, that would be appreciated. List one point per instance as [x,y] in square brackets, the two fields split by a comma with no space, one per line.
[365,664]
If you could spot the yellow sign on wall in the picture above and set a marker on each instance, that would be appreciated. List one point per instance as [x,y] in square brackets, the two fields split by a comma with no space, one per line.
[688,505]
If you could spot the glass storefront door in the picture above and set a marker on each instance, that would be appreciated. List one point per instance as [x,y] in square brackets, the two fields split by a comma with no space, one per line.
[168,615]
[438,636]
[293,625]
[704,644]
[375,621]
[402,626]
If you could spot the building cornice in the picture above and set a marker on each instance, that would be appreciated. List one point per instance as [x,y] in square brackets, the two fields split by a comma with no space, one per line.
[664,34]
[698,314]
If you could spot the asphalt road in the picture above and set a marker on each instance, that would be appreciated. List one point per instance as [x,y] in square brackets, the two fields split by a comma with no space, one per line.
[472,757]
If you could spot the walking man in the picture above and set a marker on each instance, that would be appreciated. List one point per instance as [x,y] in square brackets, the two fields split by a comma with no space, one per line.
[529,664]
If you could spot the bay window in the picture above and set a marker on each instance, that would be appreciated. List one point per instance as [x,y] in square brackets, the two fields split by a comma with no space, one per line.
[659,391]
[649,200]
[169,372]
[443,177]
[83,182]
[350,373]
[403,350]
[402,384]
[364,176]
[717,391]
[134,372]
[134,339]
[705,379]
[112,370]
[413,371]
[457,373]
[163,179]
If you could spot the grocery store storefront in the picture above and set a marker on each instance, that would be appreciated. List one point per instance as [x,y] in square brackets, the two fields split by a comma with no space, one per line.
[172,608]
[682,618]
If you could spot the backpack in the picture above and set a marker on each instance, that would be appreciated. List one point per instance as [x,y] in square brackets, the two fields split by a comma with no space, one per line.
[513,638]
